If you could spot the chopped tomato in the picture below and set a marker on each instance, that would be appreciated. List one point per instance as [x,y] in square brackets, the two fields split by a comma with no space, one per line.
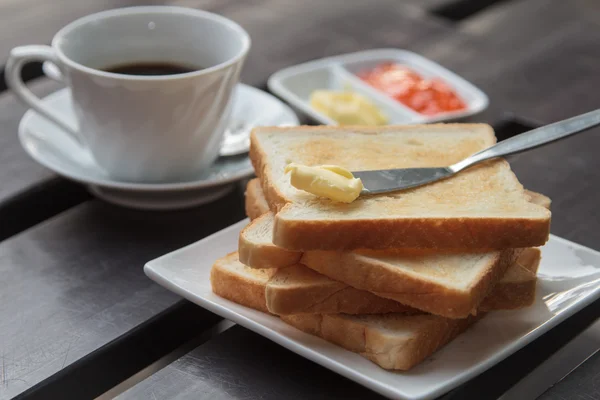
[426,96]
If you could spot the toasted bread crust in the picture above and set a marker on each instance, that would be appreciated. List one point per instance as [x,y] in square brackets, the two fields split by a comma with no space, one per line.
[255,199]
[309,323]
[371,275]
[236,287]
[260,254]
[274,198]
[264,255]
[384,348]
[255,203]
[455,233]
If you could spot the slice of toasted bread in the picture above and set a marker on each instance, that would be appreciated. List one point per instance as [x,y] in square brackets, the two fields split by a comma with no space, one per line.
[255,202]
[392,341]
[450,285]
[299,290]
[482,207]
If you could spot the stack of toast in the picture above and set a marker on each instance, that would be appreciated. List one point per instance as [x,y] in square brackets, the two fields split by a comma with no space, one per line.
[393,277]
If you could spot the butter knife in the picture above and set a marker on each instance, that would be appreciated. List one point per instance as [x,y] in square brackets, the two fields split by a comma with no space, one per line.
[391,180]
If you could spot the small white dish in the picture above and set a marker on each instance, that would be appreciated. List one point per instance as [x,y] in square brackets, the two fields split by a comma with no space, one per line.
[569,280]
[54,149]
[295,84]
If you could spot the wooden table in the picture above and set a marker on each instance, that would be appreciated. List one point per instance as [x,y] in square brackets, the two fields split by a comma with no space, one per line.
[79,319]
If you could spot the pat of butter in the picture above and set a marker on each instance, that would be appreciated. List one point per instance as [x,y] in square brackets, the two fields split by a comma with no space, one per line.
[347,108]
[330,181]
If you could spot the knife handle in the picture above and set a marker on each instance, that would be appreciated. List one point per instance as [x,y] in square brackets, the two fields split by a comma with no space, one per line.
[532,139]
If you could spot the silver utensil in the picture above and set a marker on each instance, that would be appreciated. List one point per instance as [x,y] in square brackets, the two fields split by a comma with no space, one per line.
[391,180]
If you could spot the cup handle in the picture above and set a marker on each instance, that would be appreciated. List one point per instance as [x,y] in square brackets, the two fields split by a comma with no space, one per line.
[52,71]
[19,56]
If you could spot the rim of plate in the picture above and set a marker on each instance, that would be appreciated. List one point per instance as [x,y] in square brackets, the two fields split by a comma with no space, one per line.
[133,186]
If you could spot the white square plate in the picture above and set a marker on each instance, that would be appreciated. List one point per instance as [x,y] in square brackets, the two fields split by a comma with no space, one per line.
[569,280]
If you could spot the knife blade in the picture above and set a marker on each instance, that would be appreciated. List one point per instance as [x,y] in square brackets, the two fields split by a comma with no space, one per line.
[391,180]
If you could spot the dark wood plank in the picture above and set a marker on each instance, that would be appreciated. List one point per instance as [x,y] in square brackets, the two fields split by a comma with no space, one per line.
[75,283]
[25,185]
[427,5]
[177,327]
[534,58]
[226,368]
[288,32]
[582,384]
[241,364]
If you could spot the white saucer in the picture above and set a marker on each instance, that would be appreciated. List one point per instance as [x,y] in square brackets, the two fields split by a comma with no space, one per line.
[51,147]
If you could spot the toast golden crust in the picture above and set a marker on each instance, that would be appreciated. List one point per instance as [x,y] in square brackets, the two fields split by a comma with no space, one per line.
[255,203]
[427,295]
[242,289]
[289,257]
[274,198]
[456,233]
[264,255]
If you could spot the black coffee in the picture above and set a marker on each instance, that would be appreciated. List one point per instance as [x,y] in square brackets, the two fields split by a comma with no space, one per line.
[150,68]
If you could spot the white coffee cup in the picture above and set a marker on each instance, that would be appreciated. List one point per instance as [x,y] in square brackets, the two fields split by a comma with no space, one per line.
[143,128]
